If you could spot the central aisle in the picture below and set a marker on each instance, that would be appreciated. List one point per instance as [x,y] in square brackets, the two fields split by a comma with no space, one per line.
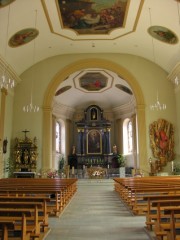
[96,212]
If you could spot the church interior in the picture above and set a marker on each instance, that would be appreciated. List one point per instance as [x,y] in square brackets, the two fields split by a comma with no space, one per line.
[90,97]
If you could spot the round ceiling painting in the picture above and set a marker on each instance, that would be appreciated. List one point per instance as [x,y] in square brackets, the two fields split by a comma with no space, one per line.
[4,3]
[163,34]
[22,37]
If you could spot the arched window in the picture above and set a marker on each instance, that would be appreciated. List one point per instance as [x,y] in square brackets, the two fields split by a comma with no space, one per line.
[129,133]
[58,137]
[127,136]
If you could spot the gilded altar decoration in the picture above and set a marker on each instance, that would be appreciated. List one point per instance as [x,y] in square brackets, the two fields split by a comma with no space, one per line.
[25,154]
[162,141]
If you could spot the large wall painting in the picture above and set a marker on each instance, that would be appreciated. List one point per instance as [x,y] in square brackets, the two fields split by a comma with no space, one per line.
[94,142]
[93,16]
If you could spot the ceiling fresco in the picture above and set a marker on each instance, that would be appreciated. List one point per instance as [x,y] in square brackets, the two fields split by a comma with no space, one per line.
[92,19]
[163,34]
[22,37]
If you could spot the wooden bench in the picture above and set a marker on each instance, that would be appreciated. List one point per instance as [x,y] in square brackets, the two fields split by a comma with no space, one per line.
[19,196]
[5,226]
[168,220]
[151,213]
[61,189]
[132,191]
[151,196]
[20,224]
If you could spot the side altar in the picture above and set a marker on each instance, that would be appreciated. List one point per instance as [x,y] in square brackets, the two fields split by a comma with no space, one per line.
[25,156]
[93,143]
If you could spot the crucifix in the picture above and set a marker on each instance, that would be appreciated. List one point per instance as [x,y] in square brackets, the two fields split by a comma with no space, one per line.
[25,131]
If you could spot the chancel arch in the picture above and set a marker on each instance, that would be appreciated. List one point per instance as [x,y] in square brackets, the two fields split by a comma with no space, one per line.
[84,64]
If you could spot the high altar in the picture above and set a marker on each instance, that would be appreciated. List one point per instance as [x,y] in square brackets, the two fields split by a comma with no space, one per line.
[93,146]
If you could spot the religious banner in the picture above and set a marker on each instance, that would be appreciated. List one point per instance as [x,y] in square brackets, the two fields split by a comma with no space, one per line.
[162,140]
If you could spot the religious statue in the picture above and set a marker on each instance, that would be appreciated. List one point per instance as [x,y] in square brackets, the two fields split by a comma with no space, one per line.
[114,149]
[73,150]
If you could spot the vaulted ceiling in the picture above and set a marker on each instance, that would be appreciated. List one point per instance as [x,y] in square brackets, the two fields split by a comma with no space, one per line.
[32,31]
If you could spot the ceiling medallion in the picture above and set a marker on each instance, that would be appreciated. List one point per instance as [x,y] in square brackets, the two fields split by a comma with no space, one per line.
[124,89]
[163,34]
[62,90]
[22,37]
[4,3]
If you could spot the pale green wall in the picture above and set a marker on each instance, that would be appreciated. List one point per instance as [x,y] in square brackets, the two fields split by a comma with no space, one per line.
[149,76]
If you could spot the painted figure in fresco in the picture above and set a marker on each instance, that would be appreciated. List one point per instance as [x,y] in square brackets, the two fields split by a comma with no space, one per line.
[22,37]
[166,36]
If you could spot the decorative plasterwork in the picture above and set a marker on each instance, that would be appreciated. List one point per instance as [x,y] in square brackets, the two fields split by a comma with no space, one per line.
[54,18]
[174,75]
[8,70]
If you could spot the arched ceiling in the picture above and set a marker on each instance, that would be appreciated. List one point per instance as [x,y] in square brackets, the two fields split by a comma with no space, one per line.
[32,31]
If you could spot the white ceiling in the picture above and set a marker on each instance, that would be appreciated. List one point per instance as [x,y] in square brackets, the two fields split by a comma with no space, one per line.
[54,40]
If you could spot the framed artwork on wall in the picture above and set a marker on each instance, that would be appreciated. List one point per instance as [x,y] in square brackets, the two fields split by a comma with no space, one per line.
[94,142]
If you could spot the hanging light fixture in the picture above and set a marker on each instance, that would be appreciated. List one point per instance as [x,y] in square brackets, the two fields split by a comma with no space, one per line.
[5,80]
[31,107]
[157,105]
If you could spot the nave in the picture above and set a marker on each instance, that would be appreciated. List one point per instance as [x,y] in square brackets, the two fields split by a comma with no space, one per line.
[96,212]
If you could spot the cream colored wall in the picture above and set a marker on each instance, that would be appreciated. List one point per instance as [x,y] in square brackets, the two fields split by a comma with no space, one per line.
[149,76]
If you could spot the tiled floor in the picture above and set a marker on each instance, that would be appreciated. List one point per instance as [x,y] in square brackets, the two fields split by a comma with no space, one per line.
[96,213]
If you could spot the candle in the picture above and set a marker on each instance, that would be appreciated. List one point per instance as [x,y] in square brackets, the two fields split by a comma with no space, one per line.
[172,166]
[72,170]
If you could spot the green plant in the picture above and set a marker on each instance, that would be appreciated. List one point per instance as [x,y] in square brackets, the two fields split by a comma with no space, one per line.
[121,160]
[176,170]
[61,163]
[9,167]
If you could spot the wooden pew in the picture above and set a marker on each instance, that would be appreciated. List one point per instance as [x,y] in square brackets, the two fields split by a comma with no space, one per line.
[168,220]
[151,213]
[52,194]
[61,189]
[132,190]
[174,213]
[14,210]
[5,226]
[153,195]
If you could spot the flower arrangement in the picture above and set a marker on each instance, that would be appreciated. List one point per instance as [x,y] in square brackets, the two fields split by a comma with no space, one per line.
[96,172]
[51,173]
